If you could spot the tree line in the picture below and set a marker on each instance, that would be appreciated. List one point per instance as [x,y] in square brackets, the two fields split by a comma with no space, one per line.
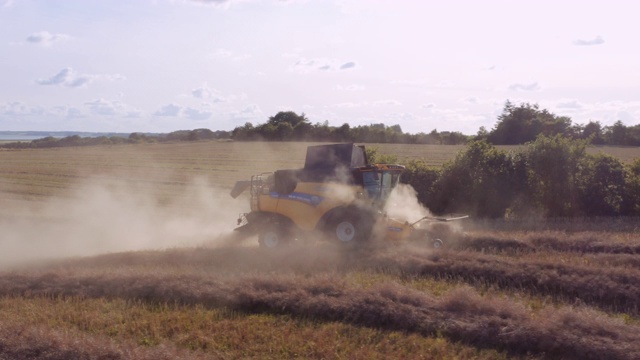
[517,124]
[133,138]
[525,122]
[553,176]
[289,126]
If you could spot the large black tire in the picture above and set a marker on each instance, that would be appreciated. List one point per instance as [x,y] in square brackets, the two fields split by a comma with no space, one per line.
[273,236]
[350,228]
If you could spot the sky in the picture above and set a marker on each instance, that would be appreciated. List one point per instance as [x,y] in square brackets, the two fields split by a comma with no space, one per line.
[167,65]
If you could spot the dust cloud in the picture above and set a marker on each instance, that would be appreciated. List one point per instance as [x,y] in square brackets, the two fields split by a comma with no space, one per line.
[113,216]
[403,204]
[102,217]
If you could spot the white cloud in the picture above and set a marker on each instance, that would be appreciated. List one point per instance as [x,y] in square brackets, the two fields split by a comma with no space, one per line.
[212,2]
[389,102]
[101,107]
[410,82]
[46,39]
[450,111]
[195,114]
[222,53]
[216,3]
[70,78]
[351,105]
[133,114]
[525,87]
[73,113]
[16,108]
[598,40]
[206,93]
[106,107]
[348,65]
[352,87]
[304,65]
[570,104]
[428,106]
[169,110]
[66,112]
[66,77]
[626,117]
[248,113]
[470,100]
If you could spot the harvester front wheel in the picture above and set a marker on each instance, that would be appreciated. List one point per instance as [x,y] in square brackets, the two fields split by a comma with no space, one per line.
[272,237]
[350,229]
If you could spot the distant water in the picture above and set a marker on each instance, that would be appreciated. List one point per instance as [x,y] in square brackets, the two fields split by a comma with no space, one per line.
[34,135]
[6,137]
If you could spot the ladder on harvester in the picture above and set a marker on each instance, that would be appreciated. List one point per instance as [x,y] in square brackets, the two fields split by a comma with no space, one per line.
[259,186]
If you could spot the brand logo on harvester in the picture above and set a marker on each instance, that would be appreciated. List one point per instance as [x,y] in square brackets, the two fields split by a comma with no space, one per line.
[313,200]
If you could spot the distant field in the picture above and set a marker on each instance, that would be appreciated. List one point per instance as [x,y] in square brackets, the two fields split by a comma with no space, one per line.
[34,174]
[125,252]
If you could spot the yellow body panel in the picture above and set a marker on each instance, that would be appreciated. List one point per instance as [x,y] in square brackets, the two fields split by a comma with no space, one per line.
[396,229]
[306,205]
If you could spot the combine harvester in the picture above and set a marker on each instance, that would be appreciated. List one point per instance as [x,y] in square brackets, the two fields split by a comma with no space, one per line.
[337,193]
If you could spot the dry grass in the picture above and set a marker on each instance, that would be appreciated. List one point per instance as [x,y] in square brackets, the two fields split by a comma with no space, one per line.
[460,315]
[489,295]
[226,334]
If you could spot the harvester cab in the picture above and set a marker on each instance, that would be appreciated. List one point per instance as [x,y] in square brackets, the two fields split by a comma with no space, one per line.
[338,193]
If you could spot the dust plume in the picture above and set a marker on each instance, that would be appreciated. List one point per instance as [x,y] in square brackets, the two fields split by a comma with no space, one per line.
[113,216]
[403,204]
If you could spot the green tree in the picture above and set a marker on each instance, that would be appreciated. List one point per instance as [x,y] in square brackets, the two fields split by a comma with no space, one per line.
[616,134]
[593,131]
[246,132]
[521,124]
[343,133]
[553,167]
[283,132]
[633,135]
[288,117]
[631,202]
[482,181]
[423,178]
[602,186]
[303,131]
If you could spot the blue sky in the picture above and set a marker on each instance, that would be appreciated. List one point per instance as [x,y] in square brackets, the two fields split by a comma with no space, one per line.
[165,65]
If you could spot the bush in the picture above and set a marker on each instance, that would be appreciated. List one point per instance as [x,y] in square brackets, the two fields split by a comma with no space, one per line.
[482,181]
[601,186]
[553,166]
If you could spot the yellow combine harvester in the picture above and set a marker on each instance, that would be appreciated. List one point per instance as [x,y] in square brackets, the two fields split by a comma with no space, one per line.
[337,193]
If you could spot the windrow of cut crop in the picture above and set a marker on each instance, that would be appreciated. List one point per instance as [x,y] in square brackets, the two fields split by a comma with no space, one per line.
[554,241]
[589,244]
[20,342]
[608,281]
[462,315]
[609,288]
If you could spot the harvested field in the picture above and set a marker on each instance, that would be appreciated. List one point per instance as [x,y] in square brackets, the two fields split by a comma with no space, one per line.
[125,252]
